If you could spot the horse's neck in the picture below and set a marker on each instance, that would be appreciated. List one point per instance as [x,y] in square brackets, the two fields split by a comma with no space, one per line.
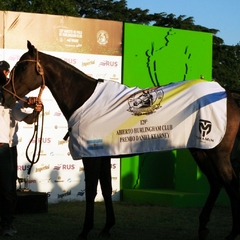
[70,88]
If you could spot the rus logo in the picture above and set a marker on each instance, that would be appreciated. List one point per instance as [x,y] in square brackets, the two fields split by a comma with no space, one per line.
[205,127]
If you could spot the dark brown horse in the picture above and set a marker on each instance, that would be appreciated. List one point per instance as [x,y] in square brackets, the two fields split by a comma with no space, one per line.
[71,88]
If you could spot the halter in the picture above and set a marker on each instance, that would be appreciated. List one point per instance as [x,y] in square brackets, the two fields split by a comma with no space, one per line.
[39,70]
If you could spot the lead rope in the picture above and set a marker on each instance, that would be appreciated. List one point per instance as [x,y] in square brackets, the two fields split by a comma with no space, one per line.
[38,140]
[37,144]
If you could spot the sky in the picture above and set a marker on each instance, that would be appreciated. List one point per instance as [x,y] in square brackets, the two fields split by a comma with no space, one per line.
[223,15]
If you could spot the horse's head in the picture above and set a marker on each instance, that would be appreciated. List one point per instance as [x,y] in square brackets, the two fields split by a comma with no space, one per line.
[27,75]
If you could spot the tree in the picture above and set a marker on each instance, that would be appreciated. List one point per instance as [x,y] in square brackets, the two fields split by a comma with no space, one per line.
[63,7]
[112,10]
[226,59]
[226,65]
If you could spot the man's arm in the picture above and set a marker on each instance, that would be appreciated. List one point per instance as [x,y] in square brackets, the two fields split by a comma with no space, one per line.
[36,104]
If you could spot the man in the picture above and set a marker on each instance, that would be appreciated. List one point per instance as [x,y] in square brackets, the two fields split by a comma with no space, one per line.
[8,151]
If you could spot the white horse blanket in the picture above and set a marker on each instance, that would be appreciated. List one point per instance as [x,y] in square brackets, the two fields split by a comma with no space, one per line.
[118,120]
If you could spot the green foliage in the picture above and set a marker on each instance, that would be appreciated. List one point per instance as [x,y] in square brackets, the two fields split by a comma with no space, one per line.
[226,62]
[63,7]
[226,59]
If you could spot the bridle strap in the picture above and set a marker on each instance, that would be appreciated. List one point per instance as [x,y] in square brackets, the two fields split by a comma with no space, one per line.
[13,86]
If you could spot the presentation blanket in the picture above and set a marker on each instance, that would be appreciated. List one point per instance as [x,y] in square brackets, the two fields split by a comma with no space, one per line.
[118,120]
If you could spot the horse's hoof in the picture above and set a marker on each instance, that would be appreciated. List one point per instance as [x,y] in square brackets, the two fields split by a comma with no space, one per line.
[202,235]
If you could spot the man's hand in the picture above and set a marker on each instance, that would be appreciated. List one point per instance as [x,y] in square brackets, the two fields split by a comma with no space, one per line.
[35,103]
[38,106]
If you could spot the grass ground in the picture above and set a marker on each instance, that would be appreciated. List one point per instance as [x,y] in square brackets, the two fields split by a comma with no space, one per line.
[64,220]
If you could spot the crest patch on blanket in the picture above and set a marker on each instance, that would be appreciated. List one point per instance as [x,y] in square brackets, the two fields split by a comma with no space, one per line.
[118,120]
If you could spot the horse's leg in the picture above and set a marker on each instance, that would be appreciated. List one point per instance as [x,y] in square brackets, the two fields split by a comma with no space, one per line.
[207,167]
[231,185]
[232,189]
[92,168]
[106,186]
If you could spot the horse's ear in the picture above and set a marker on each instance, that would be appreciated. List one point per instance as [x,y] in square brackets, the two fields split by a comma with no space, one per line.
[31,48]
[29,45]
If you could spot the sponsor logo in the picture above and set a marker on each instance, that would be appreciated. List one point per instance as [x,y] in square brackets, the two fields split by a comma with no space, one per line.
[32,181]
[40,169]
[107,63]
[65,194]
[57,114]
[46,113]
[205,127]
[52,154]
[69,180]
[101,75]
[45,180]
[114,77]
[68,37]
[42,140]
[64,167]
[81,193]
[72,61]
[56,126]
[59,179]
[61,142]
[23,167]
[102,37]
[41,153]
[114,191]
[57,167]
[88,63]
[113,166]
[14,58]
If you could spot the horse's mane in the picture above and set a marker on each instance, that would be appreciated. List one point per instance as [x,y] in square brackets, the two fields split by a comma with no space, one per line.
[64,65]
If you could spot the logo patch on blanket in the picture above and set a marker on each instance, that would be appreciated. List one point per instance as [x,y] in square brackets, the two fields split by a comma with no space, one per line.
[118,120]
[145,101]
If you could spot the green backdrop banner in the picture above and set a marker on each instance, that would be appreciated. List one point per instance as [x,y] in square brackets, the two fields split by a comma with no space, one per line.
[155,55]
[158,56]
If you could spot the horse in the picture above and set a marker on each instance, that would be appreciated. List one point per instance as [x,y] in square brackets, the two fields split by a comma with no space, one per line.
[71,88]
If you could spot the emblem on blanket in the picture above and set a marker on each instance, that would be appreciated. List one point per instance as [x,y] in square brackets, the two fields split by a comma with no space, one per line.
[205,127]
[146,101]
